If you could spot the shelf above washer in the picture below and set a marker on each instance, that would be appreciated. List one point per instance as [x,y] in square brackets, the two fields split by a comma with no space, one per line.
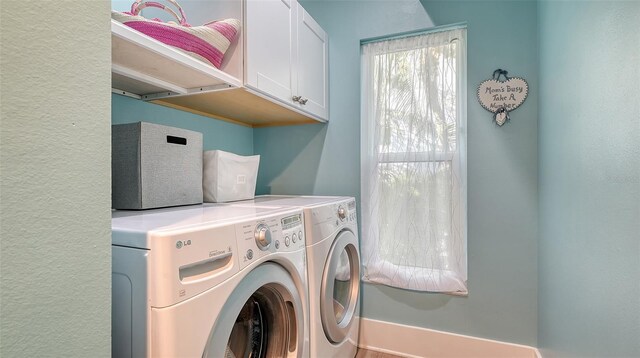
[147,69]
[143,65]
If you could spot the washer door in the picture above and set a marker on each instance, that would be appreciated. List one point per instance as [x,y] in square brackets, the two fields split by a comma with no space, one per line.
[261,318]
[340,287]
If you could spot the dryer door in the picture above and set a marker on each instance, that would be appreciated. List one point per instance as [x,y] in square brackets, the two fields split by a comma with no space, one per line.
[262,318]
[340,287]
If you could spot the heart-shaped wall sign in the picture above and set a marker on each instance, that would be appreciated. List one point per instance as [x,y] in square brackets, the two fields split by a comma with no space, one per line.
[495,94]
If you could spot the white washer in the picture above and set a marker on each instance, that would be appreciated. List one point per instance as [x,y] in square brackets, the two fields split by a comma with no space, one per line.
[207,281]
[333,267]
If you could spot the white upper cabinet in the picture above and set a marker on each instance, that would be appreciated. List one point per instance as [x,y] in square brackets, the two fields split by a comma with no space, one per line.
[286,55]
[276,73]
[312,62]
[270,49]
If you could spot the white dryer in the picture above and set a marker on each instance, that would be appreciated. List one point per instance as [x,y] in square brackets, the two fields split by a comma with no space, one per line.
[333,267]
[209,281]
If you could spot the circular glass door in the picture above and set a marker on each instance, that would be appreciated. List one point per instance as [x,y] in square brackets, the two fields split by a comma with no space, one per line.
[340,287]
[261,318]
[261,328]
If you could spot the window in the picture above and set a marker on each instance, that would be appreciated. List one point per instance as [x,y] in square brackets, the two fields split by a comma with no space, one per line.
[413,166]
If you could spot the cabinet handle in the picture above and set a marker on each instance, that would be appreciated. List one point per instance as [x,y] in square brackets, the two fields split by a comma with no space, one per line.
[296,98]
[303,101]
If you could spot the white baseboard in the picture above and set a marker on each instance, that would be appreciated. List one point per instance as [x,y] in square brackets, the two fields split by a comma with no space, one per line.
[417,342]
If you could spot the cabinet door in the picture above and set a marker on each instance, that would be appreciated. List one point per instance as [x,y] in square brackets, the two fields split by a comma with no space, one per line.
[312,61]
[270,47]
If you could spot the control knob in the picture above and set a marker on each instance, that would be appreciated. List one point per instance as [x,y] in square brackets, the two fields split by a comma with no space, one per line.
[263,237]
[342,213]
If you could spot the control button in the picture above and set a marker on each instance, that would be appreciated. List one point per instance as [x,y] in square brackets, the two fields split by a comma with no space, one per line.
[277,244]
[294,238]
[249,254]
[300,235]
[287,241]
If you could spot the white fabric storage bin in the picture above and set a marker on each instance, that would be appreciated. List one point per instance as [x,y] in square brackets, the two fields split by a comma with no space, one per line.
[228,176]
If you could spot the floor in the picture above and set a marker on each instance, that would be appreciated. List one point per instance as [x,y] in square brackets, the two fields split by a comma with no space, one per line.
[363,353]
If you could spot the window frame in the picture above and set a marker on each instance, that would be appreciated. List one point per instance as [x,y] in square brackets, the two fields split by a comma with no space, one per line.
[457,158]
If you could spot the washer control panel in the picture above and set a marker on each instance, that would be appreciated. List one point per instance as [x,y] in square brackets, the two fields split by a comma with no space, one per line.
[270,235]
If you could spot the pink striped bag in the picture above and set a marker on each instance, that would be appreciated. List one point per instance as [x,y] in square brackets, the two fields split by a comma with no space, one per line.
[208,42]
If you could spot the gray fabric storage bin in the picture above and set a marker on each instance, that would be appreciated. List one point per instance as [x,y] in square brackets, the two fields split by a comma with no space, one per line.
[154,166]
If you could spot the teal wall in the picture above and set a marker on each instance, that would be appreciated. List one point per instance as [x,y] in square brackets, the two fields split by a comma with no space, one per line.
[589,150]
[216,134]
[502,172]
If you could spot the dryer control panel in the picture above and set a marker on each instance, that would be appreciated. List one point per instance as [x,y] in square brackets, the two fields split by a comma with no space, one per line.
[273,234]
[326,220]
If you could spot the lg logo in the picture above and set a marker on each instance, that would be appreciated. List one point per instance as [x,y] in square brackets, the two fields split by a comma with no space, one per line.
[180,244]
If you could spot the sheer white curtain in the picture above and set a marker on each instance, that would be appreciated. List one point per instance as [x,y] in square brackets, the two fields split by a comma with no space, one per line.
[413,164]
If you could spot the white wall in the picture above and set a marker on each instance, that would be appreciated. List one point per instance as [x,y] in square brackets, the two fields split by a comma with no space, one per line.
[55,147]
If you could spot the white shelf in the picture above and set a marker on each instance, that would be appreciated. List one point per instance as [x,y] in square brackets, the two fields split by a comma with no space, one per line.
[144,66]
